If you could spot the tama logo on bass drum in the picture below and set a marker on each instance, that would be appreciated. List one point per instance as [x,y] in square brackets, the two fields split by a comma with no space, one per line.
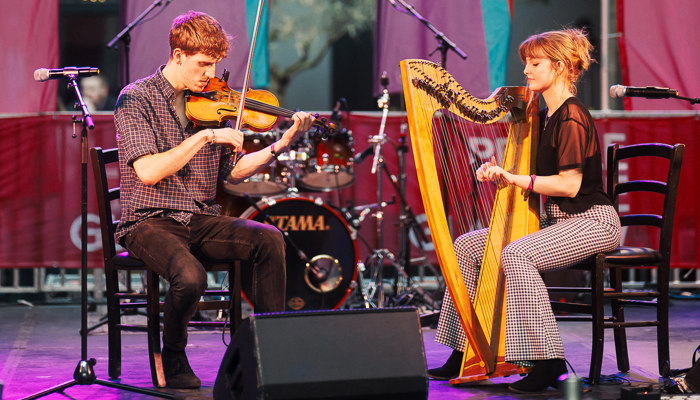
[300,222]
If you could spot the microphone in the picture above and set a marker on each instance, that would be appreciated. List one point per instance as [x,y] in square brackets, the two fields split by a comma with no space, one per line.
[44,74]
[649,92]
[320,275]
[365,153]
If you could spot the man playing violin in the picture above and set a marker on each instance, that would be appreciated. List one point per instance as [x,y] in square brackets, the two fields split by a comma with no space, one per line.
[169,172]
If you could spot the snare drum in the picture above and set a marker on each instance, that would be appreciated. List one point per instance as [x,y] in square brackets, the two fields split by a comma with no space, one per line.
[270,181]
[330,163]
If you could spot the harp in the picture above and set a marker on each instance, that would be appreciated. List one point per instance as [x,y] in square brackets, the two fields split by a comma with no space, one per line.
[451,132]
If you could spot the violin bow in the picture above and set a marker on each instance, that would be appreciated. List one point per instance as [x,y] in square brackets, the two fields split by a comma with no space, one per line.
[250,61]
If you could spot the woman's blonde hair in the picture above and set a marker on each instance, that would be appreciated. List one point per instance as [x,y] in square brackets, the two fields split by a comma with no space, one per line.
[570,46]
[197,32]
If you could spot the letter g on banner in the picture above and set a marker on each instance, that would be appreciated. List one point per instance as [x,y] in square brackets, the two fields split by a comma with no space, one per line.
[93,233]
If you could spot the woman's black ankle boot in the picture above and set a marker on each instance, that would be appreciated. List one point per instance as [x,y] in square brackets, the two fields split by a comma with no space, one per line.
[450,369]
[544,373]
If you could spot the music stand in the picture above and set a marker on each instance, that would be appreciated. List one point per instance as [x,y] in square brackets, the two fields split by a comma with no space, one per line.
[84,373]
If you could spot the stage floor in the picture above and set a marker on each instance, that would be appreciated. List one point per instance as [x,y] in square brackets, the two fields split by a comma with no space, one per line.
[40,348]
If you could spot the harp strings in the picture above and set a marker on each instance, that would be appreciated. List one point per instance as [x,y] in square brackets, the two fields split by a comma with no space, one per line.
[473,211]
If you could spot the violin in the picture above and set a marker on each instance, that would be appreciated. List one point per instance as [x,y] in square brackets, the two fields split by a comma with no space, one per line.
[218,103]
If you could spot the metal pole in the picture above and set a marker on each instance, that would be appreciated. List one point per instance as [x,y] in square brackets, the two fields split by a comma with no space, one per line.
[604,55]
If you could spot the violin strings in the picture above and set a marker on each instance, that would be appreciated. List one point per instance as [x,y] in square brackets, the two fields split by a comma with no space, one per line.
[257,105]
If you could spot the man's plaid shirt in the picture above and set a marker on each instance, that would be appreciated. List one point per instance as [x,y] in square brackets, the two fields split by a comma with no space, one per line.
[147,123]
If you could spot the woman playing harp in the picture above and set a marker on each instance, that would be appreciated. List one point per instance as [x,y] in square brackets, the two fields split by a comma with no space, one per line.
[579,222]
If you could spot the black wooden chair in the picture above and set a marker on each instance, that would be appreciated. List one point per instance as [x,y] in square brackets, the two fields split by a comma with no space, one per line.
[122,299]
[665,162]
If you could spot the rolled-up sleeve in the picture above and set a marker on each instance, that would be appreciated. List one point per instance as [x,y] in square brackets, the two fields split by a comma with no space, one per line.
[135,132]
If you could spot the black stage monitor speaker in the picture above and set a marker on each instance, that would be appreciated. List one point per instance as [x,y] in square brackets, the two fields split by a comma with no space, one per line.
[348,354]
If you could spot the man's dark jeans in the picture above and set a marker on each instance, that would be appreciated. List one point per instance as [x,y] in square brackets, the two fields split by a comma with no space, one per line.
[172,250]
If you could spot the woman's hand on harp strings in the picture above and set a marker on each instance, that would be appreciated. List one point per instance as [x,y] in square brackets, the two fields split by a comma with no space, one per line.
[491,171]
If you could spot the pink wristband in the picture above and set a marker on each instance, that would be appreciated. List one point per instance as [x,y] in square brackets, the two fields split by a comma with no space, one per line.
[526,195]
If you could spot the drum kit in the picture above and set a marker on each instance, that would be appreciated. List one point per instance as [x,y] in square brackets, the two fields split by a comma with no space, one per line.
[323,266]
[315,163]
[321,252]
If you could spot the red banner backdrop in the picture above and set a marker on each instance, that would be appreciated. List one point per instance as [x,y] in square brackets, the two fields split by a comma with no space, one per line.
[29,35]
[40,184]
[658,48]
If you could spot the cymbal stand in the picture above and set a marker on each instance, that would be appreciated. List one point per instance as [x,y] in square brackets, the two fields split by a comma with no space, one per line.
[375,287]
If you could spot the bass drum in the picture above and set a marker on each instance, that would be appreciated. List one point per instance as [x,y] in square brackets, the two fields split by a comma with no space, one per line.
[323,236]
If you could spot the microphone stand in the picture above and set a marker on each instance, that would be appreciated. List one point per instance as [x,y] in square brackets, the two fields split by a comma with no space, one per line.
[444,43]
[125,37]
[691,100]
[376,260]
[84,373]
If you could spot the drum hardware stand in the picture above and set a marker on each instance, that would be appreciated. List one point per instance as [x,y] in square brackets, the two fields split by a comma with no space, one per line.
[409,292]
[292,163]
[84,373]
[408,224]
[375,262]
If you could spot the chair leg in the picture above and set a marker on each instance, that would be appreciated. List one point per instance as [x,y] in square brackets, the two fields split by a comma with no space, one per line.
[114,342]
[662,317]
[235,297]
[153,327]
[620,333]
[598,320]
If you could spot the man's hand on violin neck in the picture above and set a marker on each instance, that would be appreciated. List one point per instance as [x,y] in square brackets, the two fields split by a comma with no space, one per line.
[301,122]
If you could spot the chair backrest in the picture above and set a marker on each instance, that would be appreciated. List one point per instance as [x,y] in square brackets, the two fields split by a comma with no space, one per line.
[652,152]
[105,196]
